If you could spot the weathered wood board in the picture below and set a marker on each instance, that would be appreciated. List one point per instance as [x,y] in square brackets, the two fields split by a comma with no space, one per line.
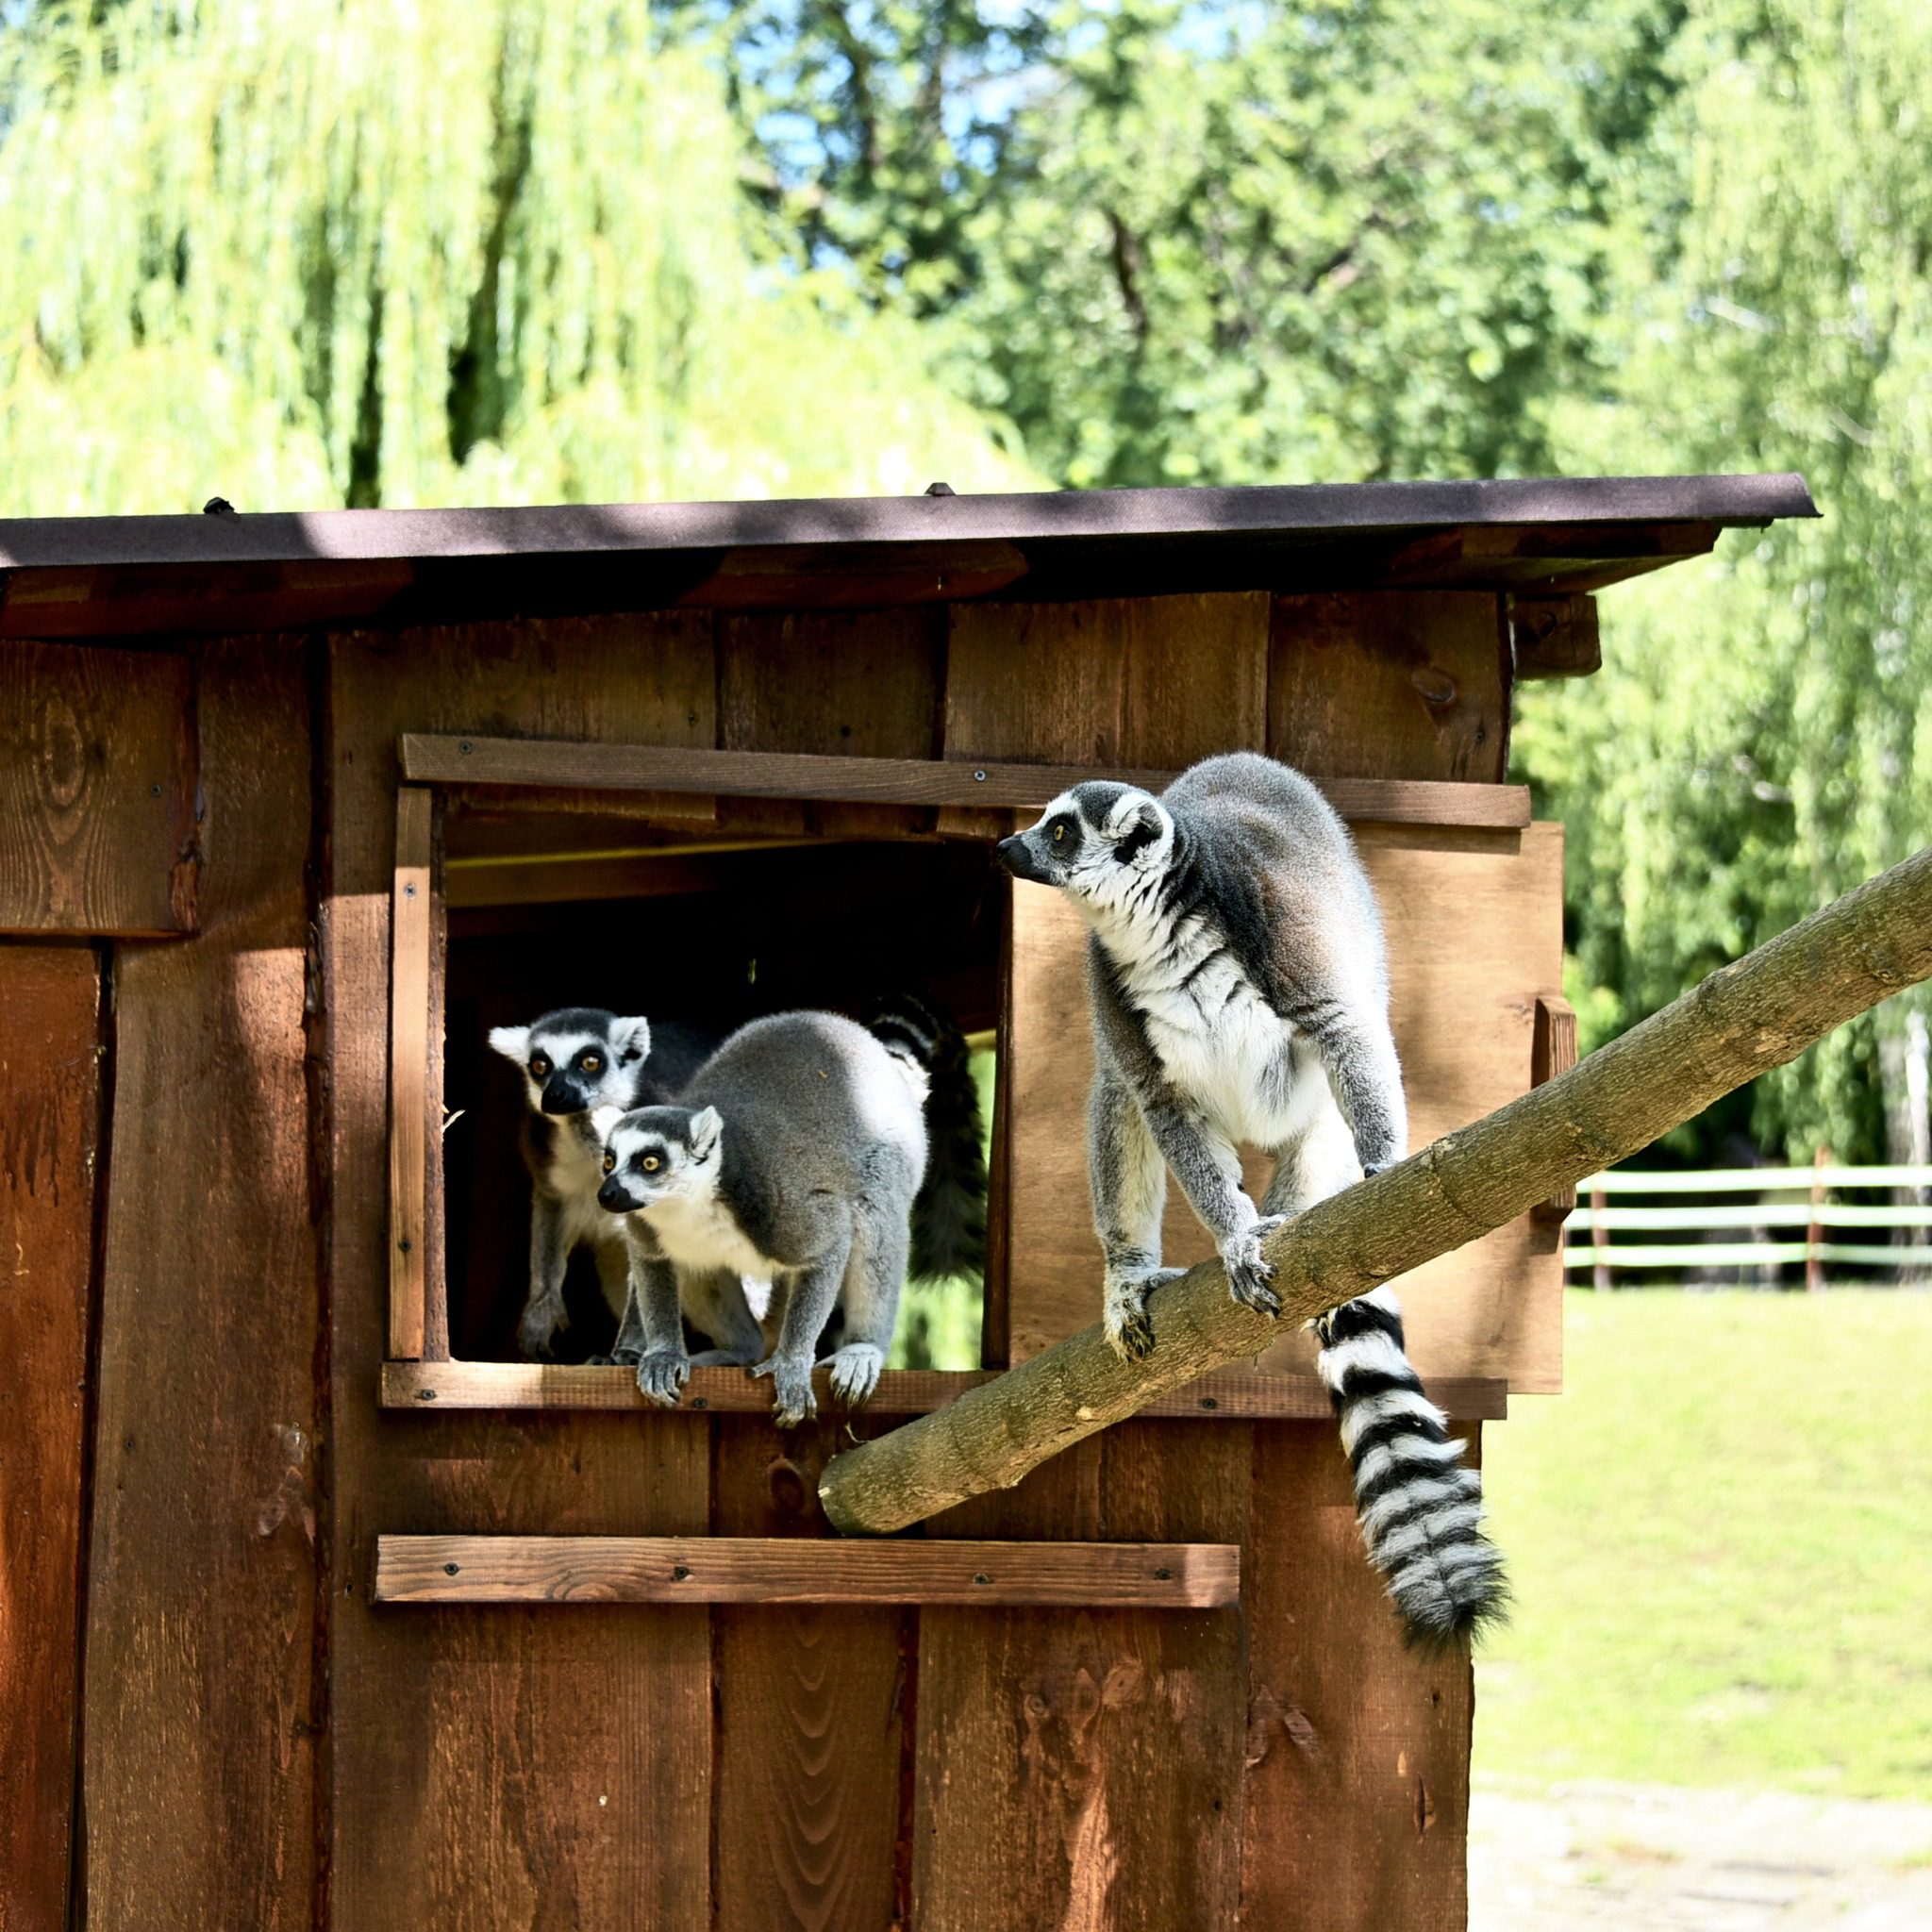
[50,1087]
[202,1705]
[97,798]
[1474,923]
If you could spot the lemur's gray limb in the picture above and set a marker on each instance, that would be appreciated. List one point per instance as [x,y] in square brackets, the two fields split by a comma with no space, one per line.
[881,1247]
[1357,1055]
[714,1300]
[544,1316]
[663,1364]
[813,1296]
[1128,1182]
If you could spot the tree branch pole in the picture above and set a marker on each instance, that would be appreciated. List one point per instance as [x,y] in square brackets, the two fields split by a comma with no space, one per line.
[1762,1010]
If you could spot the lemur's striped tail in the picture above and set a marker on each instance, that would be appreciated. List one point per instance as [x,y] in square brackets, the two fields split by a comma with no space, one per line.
[1421,1511]
[949,1216]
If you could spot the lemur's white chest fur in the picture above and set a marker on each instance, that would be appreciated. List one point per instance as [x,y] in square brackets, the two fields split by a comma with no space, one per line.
[1219,1041]
[704,1234]
[573,1172]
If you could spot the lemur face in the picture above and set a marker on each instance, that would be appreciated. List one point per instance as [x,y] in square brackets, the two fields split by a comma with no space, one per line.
[575,1059]
[657,1154]
[1095,842]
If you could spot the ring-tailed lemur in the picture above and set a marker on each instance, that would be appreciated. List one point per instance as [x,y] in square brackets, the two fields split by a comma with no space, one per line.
[574,1060]
[797,1153]
[1240,994]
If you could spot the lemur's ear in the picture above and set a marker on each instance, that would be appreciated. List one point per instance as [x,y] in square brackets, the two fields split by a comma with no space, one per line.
[604,1119]
[705,1128]
[632,1040]
[512,1043]
[1141,829]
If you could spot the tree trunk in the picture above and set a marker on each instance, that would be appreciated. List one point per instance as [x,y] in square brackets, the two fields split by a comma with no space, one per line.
[1757,1013]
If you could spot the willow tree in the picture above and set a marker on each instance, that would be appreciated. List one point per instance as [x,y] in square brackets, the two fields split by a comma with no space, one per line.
[298,252]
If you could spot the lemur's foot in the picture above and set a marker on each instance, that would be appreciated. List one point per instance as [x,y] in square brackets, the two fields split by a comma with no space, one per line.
[724,1359]
[792,1401]
[1248,1275]
[537,1332]
[660,1376]
[621,1357]
[855,1372]
[1125,1311]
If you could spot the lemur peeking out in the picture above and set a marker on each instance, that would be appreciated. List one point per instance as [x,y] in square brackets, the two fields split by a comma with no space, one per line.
[1240,993]
[799,1153]
[575,1059]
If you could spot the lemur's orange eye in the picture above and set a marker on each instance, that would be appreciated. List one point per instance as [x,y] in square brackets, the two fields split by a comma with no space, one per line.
[652,1164]
[592,1063]
[540,1068]
[611,1164]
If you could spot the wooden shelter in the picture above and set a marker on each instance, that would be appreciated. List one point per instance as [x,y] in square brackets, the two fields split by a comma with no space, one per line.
[294,807]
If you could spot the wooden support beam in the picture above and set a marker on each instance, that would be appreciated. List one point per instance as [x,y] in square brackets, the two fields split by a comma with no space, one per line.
[1555,637]
[1746,1018]
[1553,1050]
[798,1570]
[409,1062]
[1227,1394]
[440,760]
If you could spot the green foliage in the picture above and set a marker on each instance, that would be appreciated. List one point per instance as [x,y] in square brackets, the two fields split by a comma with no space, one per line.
[306,251]
[1719,1581]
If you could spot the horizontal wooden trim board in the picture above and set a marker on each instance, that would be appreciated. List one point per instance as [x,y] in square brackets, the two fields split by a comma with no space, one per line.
[797,1570]
[433,759]
[1228,1395]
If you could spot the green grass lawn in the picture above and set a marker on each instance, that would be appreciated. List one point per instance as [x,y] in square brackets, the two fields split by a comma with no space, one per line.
[1721,1541]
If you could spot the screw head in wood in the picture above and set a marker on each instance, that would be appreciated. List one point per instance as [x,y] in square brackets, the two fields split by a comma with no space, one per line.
[451,1569]
[679,1573]
[982,1578]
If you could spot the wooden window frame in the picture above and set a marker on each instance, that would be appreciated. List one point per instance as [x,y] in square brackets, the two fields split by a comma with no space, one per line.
[970,799]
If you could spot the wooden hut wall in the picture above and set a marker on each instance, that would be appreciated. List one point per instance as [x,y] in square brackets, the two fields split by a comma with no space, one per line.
[261,1744]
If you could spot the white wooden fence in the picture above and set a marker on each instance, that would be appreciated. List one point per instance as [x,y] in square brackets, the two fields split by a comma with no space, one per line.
[1796,1215]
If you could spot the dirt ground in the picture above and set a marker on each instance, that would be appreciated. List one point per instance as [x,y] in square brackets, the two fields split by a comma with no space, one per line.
[1592,1855]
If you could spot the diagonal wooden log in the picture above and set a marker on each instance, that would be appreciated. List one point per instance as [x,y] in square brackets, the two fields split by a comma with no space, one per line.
[1746,1018]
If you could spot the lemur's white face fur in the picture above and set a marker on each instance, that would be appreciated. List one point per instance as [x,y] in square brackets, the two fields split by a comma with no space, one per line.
[576,1057]
[658,1154]
[1102,842]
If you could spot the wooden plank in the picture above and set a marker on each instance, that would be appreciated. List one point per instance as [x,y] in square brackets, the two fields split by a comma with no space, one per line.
[1358,1746]
[1474,923]
[408,1061]
[813,1703]
[50,1097]
[1553,1050]
[431,759]
[1229,1395]
[797,1570]
[1390,683]
[1085,1769]
[203,1710]
[98,792]
[1555,637]
[471,1751]
[810,577]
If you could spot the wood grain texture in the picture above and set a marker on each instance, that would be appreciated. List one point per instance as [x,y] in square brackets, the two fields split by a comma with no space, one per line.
[1084,1769]
[1553,1050]
[443,759]
[1102,683]
[410,922]
[1474,930]
[810,577]
[798,1570]
[97,776]
[1390,683]
[1357,1747]
[471,1750]
[1555,637]
[1228,1395]
[201,1705]
[812,1704]
[50,1087]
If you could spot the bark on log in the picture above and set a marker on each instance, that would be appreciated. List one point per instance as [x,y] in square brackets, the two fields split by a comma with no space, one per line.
[1747,1017]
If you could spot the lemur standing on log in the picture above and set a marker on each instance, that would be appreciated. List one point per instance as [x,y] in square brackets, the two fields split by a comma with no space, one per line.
[573,1060]
[800,1153]
[1240,993]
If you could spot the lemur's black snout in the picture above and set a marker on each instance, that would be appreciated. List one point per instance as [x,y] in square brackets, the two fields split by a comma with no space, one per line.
[614,1196]
[1017,857]
[561,1096]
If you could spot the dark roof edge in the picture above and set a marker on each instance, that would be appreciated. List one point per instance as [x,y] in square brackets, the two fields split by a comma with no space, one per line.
[1062,516]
